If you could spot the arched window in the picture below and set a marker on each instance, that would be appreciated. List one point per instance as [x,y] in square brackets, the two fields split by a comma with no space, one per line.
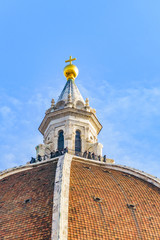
[78,141]
[60,140]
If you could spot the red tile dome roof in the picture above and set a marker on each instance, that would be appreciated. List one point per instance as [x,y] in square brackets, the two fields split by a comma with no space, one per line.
[110,204]
[104,203]
[26,200]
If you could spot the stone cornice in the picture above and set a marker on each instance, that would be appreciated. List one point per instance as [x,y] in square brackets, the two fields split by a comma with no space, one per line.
[72,112]
[14,170]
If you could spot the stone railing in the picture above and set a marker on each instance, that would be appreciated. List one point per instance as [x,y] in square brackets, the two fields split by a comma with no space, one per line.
[85,154]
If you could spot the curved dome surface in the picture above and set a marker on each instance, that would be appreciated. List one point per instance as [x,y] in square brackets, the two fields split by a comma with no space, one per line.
[26,200]
[110,204]
[103,202]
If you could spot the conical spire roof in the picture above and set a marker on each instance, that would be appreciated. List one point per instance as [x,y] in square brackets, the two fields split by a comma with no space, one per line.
[70,89]
[70,95]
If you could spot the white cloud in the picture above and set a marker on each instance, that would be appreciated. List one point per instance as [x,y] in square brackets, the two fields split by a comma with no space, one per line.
[142,100]
[130,119]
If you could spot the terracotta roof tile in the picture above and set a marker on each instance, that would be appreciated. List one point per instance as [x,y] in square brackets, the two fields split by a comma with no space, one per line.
[26,200]
[108,204]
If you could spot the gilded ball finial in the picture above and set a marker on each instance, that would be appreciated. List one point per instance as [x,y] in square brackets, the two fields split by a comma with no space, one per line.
[70,71]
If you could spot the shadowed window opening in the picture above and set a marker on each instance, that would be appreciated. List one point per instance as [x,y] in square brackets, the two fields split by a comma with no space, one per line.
[78,141]
[106,171]
[60,141]
[132,206]
[87,167]
[27,200]
[97,199]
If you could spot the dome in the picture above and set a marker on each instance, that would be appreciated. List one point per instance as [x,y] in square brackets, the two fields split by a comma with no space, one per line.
[92,200]
[26,202]
[111,203]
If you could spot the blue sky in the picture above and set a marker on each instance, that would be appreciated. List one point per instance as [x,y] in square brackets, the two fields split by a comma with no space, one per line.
[117,45]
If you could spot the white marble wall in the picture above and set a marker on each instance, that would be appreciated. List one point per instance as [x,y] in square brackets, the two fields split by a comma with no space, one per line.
[69,125]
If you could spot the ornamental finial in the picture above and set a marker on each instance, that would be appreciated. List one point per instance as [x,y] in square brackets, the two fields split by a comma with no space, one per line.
[70,71]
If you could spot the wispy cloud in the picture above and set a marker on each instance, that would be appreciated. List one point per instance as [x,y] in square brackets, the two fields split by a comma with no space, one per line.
[141,100]
[130,119]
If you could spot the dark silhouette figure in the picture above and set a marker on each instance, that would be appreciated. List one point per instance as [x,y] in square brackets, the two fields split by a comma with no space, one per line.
[39,158]
[56,153]
[85,154]
[93,156]
[33,160]
[52,154]
[89,155]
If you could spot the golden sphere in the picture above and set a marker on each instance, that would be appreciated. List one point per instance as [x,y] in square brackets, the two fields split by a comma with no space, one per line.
[70,71]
